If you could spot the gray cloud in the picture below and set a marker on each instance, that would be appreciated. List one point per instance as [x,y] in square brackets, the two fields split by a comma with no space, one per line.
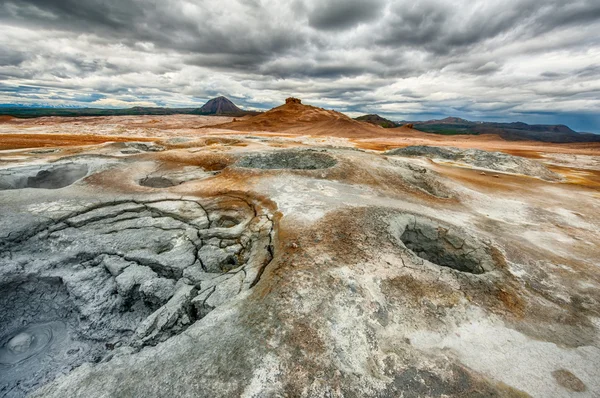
[396,57]
[344,14]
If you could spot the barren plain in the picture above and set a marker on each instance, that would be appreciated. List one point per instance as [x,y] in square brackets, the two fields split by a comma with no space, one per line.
[297,253]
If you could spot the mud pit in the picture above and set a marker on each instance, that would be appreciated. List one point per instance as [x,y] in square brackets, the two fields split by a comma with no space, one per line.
[295,160]
[119,276]
[42,177]
[444,245]
[157,182]
[169,179]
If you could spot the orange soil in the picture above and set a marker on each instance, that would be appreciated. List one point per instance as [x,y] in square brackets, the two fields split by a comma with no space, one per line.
[583,177]
[17,141]
[305,119]
[530,149]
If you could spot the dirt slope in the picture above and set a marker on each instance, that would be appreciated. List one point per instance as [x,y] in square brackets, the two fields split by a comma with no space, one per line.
[295,117]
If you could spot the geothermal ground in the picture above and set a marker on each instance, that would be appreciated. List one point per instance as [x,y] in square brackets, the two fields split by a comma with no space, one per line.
[189,256]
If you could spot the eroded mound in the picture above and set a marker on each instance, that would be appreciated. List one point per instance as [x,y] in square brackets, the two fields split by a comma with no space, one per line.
[172,178]
[443,245]
[498,161]
[43,177]
[422,179]
[119,276]
[296,160]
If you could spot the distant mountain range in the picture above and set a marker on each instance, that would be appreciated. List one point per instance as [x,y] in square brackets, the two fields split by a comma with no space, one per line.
[220,106]
[297,117]
[515,131]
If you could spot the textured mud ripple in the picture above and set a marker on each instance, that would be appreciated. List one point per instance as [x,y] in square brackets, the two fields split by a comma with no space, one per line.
[109,279]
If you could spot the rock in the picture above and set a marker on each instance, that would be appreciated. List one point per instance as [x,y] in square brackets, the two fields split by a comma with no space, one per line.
[568,380]
[173,178]
[292,100]
[145,146]
[157,291]
[44,151]
[115,265]
[172,318]
[130,280]
[217,260]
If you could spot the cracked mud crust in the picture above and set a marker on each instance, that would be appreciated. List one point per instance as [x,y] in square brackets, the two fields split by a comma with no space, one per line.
[295,160]
[121,275]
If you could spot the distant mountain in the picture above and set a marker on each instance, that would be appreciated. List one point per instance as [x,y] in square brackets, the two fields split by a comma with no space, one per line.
[377,120]
[31,112]
[220,106]
[515,131]
[217,106]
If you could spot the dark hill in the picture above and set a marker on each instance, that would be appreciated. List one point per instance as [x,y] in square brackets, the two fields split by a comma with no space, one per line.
[377,120]
[217,106]
[220,106]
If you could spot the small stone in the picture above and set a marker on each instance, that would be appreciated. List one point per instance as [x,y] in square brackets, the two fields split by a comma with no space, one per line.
[568,380]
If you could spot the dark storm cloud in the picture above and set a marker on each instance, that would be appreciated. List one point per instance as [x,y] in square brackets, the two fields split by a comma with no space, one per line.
[163,23]
[396,57]
[344,14]
[446,26]
[78,14]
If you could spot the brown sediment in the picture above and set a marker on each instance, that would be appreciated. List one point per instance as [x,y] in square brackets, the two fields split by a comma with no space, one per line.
[20,141]
[583,177]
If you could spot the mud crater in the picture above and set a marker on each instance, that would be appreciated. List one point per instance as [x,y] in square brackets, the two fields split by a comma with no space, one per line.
[118,276]
[443,244]
[294,160]
[42,177]
[158,182]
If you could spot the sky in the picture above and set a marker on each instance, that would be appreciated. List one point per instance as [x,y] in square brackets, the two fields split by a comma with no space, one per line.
[536,61]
